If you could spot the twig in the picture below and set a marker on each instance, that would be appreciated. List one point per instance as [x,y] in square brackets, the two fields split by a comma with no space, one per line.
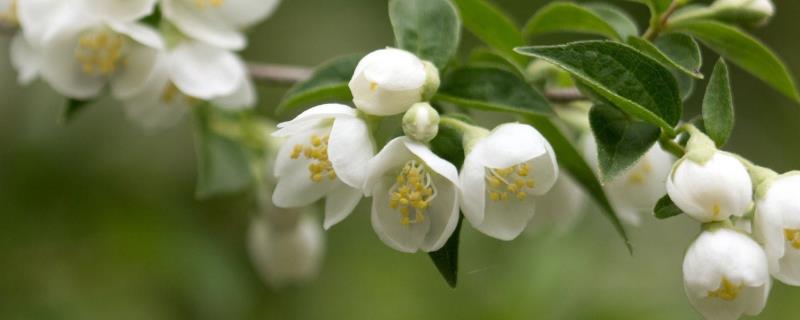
[655,28]
[278,74]
[563,95]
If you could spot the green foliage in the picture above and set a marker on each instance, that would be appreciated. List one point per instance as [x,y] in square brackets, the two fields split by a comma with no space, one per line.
[487,57]
[446,258]
[597,19]
[621,140]
[665,208]
[676,51]
[718,105]
[327,83]
[491,89]
[491,26]
[628,79]
[656,6]
[429,28]
[743,50]
[72,107]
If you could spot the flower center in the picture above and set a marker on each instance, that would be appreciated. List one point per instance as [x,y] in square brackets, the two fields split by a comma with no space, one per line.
[413,189]
[793,237]
[511,181]
[727,290]
[9,15]
[639,174]
[173,95]
[100,53]
[202,4]
[317,152]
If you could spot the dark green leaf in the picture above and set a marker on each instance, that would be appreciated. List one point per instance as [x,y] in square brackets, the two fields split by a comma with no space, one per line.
[223,164]
[656,6]
[491,26]
[718,105]
[621,140]
[743,50]
[570,17]
[491,89]
[623,23]
[571,160]
[675,50]
[630,80]
[446,258]
[666,209]
[486,57]
[429,28]
[72,107]
[327,83]
[686,84]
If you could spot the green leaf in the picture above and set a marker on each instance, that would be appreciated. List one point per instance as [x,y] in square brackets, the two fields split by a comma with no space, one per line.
[665,208]
[621,141]
[622,22]
[429,28]
[491,89]
[491,26]
[744,51]
[571,160]
[446,258]
[327,83]
[487,57]
[656,6]
[718,105]
[223,164]
[675,50]
[630,80]
[568,17]
[74,106]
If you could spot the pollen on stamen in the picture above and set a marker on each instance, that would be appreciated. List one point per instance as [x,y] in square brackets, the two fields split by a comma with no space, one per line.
[321,167]
[510,182]
[413,190]
[727,290]
[100,53]
[793,237]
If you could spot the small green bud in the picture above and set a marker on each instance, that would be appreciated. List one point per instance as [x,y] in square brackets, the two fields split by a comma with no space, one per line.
[421,122]
[432,81]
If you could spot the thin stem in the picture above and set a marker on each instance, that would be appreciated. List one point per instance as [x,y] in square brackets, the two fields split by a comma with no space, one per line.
[671,146]
[658,25]
[278,74]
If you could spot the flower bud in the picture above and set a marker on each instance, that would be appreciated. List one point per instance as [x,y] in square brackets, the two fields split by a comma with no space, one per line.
[421,122]
[388,81]
[755,12]
[286,253]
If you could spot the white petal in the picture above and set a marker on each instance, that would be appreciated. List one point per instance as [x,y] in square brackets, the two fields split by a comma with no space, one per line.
[387,222]
[788,266]
[339,203]
[204,24]
[295,187]
[243,97]
[205,72]
[147,108]
[506,219]
[387,82]
[511,144]
[25,59]
[723,253]
[63,72]
[286,256]
[560,209]
[311,118]
[393,155]
[140,33]
[544,170]
[139,70]
[437,164]
[442,214]
[473,189]
[119,10]
[58,14]
[750,301]
[350,148]
[245,13]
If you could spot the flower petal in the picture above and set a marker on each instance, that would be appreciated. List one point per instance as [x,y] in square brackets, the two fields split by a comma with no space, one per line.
[140,33]
[387,222]
[242,98]
[63,72]
[473,189]
[204,71]
[147,108]
[437,164]
[339,203]
[311,117]
[140,68]
[392,156]
[25,59]
[204,24]
[350,148]
[245,13]
[506,219]
[295,187]
[119,10]
[442,214]
[59,15]
[511,144]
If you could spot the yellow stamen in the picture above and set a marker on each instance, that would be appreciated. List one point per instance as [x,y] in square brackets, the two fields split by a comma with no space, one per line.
[413,189]
[373,86]
[316,151]
[727,290]
[101,53]
[203,4]
[511,181]
[793,237]
[640,173]
[715,211]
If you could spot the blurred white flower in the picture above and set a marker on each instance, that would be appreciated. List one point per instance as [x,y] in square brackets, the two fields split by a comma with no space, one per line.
[560,209]
[725,275]
[711,191]
[388,82]
[636,190]
[777,220]
[25,59]
[501,174]
[286,252]
[415,196]
[325,155]
[217,22]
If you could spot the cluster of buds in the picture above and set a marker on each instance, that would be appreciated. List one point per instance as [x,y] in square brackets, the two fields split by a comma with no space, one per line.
[157,63]
[416,194]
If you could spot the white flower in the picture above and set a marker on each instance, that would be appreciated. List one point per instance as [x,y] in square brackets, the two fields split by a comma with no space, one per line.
[501,174]
[26,59]
[325,155]
[217,22]
[184,76]
[286,252]
[763,7]
[777,220]
[711,191]
[388,82]
[725,275]
[560,209]
[415,196]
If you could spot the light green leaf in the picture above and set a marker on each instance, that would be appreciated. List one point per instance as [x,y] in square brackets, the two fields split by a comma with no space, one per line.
[328,83]
[223,164]
[487,57]
[491,26]
[616,17]
[718,105]
[571,160]
[656,6]
[429,28]
[665,208]
[674,51]
[621,140]
[491,89]
[571,17]
[744,51]
[628,79]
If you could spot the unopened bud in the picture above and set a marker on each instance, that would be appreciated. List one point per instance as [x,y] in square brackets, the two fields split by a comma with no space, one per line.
[421,122]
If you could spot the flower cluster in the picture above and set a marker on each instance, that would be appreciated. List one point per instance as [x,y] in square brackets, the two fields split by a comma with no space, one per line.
[751,223]
[330,151]
[158,63]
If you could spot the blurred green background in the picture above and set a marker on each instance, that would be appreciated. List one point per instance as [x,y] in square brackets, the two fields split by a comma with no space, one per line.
[98,218]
